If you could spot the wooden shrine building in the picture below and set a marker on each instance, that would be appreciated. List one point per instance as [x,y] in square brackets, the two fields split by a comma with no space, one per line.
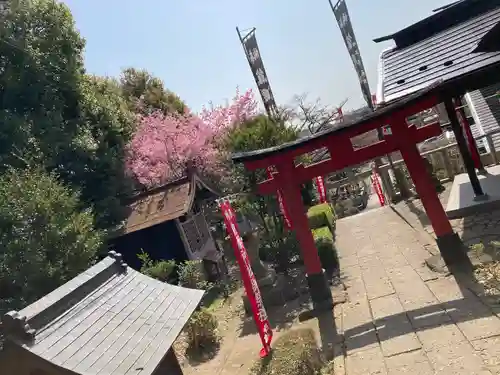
[169,223]
[109,320]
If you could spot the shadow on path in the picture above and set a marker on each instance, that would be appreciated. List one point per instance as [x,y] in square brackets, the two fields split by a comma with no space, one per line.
[328,334]
[280,318]
[196,356]
[419,213]
[469,308]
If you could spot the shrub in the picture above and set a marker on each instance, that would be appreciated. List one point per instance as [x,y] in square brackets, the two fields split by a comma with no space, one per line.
[352,211]
[282,251]
[161,270]
[321,215]
[294,353]
[323,240]
[339,210]
[191,275]
[347,207]
[46,238]
[277,245]
[201,329]
[317,219]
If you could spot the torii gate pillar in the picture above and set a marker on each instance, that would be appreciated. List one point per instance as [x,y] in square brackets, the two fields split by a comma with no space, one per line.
[319,289]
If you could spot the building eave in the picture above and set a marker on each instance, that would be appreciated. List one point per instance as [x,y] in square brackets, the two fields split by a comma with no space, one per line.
[380,72]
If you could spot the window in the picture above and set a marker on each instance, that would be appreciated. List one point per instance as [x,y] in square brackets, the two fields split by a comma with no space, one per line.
[196,232]
[482,146]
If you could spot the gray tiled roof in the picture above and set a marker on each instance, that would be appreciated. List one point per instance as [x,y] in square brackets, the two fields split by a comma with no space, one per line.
[108,320]
[445,55]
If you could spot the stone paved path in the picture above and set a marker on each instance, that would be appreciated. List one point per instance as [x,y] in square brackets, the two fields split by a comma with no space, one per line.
[401,317]
[373,201]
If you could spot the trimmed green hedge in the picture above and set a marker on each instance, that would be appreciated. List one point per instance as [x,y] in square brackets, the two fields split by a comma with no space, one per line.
[321,215]
[322,223]
[323,233]
[324,241]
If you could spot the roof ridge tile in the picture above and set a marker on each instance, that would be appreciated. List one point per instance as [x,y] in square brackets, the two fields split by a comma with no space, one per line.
[24,323]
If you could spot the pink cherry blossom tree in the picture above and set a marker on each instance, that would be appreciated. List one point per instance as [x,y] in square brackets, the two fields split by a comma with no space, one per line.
[242,108]
[165,145]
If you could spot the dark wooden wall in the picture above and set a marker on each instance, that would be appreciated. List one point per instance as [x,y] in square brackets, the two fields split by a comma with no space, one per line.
[161,242]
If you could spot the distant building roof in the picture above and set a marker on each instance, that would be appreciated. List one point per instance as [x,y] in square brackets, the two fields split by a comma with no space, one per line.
[442,46]
[164,203]
[108,320]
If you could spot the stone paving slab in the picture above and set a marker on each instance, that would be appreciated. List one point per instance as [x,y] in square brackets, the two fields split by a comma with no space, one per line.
[400,317]
[489,350]
[370,361]
[409,319]
[415,363]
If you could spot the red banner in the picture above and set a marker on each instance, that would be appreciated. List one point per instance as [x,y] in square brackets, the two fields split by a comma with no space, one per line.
[377,187]
[320,186]
[251,287]
[281,202]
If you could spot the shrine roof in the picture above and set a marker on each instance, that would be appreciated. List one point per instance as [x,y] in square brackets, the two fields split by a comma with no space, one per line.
[444,46]
[380,114]
[441,19]
[108,320]
[163,203]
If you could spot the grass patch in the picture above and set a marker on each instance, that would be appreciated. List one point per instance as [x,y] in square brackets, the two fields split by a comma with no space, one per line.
[294,353]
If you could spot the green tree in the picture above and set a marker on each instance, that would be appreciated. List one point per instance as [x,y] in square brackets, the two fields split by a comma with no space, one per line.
[161,270]
[257,133]
[41,67]
[44,239]
[95,161]
[74,128]
[146,93]
[261,132]
[55,115]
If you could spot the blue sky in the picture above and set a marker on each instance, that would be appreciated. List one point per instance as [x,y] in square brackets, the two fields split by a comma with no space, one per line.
[193,46]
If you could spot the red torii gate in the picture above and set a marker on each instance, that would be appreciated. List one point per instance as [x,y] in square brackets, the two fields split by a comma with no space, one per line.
[289,176]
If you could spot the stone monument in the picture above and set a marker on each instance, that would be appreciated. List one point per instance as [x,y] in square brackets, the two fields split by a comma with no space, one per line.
[265,276]
[274,290]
